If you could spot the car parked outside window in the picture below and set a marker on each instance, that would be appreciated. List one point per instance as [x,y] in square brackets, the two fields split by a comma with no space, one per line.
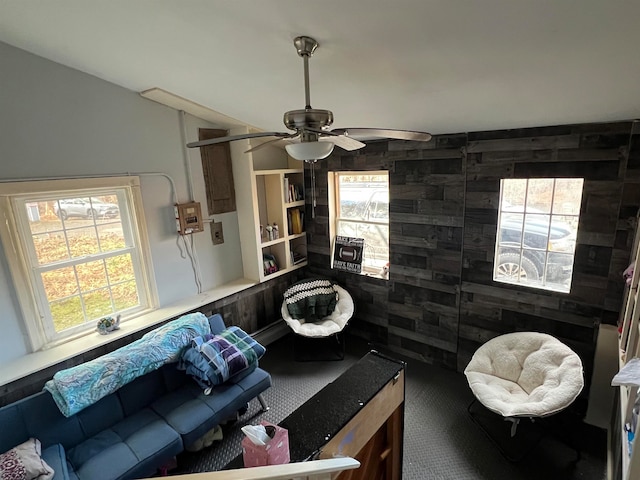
[91,207]
[538,223]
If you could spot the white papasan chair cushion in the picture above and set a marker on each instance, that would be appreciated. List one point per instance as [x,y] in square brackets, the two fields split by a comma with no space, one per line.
[525,374]
[328,325]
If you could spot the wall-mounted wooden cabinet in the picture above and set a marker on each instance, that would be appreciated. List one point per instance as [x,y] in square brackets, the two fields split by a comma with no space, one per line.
[270,199]
[624,454]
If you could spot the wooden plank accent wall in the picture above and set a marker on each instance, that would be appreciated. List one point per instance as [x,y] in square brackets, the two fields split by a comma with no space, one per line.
[597,153]
[251,310]
[440,302]
[416,312]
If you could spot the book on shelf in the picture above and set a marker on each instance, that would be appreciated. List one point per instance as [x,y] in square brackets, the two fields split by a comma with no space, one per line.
[297,258]
[287,191]
[269,263]
[295,219]
[296,193]
[292,192]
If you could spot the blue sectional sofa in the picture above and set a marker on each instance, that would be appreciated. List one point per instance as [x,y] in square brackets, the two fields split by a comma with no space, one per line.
[132,432]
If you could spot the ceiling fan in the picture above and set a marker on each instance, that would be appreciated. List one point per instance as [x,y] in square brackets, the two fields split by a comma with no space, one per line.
[311,126]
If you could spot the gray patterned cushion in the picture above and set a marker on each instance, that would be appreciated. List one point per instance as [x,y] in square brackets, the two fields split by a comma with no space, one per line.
[24,463]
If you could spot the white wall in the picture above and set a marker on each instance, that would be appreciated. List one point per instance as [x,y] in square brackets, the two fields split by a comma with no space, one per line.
[60,122]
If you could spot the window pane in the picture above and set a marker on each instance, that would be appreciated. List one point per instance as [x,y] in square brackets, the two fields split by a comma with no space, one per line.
[110,236]
[536,249]
[511,229]
[539,195]
[60,283]
[83,242]
[97,303]
[91,275]
[536,231]
[513,195]
[42,217]
[50,248]
[518,266]
[125,295]
[568,196]
[67,313]
[120,268]
[363,196]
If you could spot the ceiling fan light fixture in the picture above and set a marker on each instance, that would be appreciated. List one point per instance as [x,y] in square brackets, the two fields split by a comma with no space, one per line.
[310,151]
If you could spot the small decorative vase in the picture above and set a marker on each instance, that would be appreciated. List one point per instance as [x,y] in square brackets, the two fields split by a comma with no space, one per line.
[108,324]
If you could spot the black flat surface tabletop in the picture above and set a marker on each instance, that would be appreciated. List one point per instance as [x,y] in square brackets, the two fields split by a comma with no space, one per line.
[321,417]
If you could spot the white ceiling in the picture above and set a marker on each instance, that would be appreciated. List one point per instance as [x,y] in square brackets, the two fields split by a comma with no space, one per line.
[442,66]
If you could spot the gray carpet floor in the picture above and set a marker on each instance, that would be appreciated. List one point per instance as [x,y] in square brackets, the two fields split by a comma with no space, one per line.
[440,439]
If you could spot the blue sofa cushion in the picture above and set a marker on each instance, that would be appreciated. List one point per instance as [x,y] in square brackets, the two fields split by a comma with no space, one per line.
[186,413]
[216,323]
[255,383]
[45,422]
[142,391]
[100,415]
[174,378]
[55,458]
[139,443]
[14,430]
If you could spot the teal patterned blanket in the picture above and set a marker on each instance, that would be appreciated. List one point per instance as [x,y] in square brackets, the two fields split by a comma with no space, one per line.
[78,387]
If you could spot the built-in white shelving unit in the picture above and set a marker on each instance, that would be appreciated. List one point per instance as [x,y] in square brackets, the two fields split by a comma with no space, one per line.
[624,456]
[269,191]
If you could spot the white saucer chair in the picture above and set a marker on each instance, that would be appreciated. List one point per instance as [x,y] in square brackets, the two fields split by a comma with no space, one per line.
[524,375]
[329,326]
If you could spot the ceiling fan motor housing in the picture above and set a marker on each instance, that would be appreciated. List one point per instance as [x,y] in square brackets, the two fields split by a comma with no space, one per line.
[308,118]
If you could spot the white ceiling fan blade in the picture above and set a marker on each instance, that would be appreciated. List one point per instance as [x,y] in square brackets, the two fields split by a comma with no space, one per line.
[344,142]
[231,138]
[269,142]
[385,133]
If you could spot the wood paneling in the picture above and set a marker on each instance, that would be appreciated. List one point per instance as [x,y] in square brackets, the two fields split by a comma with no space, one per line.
[440,302]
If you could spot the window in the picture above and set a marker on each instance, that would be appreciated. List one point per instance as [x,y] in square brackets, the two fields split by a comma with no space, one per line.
[76,254]
[537,227]
[361,210]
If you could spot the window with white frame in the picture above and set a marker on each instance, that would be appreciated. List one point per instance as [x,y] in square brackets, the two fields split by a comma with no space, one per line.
[537,229]
[77,252]
[361,210]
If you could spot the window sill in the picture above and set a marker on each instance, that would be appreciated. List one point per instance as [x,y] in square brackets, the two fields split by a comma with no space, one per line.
[33,362]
